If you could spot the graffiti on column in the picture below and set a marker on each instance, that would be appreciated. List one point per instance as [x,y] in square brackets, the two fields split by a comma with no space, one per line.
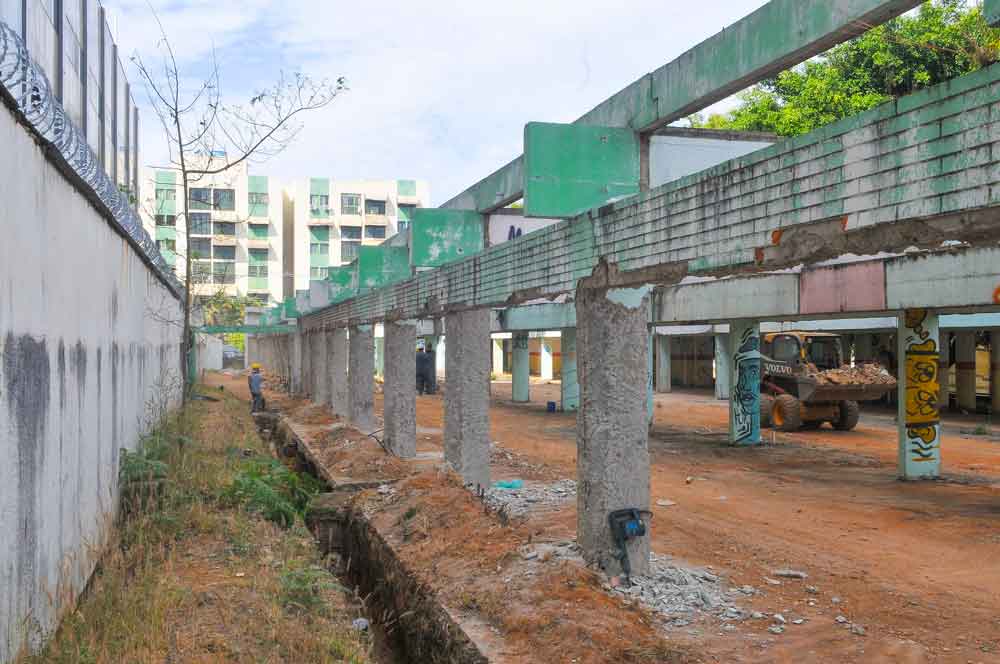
[521,342]
[922,388]
[746,394]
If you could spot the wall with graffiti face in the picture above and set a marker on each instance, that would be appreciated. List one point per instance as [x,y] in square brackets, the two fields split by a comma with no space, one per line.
[744,408]
[920,433]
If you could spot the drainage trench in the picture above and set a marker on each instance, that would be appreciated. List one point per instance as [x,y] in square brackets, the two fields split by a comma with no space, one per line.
[407,621]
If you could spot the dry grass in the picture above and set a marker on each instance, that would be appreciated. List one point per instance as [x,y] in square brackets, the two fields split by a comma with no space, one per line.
[194,578]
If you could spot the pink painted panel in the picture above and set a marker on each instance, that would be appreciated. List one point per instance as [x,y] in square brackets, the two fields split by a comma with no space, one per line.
[843,288]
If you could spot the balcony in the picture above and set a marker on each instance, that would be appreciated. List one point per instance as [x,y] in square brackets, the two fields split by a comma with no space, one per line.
[376,220]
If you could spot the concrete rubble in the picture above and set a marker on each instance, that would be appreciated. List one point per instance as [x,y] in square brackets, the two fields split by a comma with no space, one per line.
[532,497]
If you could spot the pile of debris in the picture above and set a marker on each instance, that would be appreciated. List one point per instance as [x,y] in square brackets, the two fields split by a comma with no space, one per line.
[530,496]
[680,593]
[863,374]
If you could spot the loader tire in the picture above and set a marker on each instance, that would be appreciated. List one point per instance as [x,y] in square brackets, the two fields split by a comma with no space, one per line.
[787,413]
[850,412]
[766,406]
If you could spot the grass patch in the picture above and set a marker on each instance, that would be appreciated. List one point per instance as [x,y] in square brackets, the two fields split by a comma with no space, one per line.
[209,560]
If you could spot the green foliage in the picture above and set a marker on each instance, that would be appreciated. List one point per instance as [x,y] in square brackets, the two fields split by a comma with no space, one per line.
[267,487]
[944,39]
[223,309]
[302,589]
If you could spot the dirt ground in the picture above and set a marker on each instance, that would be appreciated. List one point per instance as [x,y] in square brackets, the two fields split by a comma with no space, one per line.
[916,565]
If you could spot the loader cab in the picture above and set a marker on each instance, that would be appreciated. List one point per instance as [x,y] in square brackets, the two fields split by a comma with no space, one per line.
[795,348]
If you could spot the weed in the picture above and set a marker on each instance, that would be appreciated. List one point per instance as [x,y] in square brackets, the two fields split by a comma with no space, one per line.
[981,430]
[410,513]
[269,488]
[303,589]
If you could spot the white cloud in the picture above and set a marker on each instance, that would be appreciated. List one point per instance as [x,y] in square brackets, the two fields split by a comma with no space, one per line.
[439,90]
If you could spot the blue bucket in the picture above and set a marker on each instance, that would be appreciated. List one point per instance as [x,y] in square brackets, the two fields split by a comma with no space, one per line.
[551,406]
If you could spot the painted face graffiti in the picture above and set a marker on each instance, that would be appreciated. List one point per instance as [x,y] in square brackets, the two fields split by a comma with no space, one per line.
[746,394]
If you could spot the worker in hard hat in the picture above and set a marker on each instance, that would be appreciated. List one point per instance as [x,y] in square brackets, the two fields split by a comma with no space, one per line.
[256,382]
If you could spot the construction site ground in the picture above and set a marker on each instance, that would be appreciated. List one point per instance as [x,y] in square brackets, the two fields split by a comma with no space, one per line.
[895,571]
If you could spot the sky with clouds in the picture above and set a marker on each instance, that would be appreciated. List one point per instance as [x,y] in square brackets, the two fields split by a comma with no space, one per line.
[439,90]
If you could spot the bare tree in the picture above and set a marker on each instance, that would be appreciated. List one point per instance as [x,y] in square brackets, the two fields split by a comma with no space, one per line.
[208,135]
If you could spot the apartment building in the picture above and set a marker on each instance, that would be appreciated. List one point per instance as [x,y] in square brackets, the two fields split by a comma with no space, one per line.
[326,220]
[236,230]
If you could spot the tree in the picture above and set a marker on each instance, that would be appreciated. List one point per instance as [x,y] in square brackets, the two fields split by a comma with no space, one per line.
[207,135]
[942,40]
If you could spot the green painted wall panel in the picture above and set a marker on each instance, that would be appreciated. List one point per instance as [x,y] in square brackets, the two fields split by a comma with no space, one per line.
[319,233]
[406,187]
[166,233]
[991,10]
[291,310]
[319,186]
[166,177]
[441,236]
[257,231]
[381,266]
[343,282]
[257,184]
[258,283]
[569,169]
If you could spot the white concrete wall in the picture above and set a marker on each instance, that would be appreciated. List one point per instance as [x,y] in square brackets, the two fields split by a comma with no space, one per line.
[209,352]
[87,338]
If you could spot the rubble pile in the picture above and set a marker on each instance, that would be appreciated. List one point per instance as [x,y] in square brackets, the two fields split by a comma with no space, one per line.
[532,496]
[680,593]
[863,374]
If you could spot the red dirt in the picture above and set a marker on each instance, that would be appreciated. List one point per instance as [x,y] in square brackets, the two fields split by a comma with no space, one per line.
[916,564]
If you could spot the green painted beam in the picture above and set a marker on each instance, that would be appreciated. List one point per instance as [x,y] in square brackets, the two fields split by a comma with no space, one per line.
[343,282]
[779,35]
[438,237]
[572,168]
[291,309]
[382,265]
[243,329]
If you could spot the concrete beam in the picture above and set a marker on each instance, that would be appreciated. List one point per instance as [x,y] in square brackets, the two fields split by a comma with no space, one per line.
[969,277]
[536,317]
[777,36]
[775,295]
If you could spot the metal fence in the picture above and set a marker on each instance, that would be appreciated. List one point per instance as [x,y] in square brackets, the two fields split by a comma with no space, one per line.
[25,80]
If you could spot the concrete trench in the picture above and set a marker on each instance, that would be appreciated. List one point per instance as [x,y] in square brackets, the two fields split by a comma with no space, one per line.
[410,622]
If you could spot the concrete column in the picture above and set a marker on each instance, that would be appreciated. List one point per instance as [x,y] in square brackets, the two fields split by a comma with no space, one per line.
[612,429]
[863,348]
[918,418]
[309,364]
[520,368]
[744,383]
[337,353]
[965,370]
[570,389]
[545,359]
[650,405]
[497,356]
[944,391]
[995,370]
[663,368]
[295,365]
[361,378]
[321,357]
[400,405]
[467,397]
[380,354]
[723,367]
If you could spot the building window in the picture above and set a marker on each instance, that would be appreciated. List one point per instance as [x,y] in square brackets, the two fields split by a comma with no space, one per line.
[319,245]
[350,232]
[257,263]
[319,249]
[319,205]
[166,245]
[201,272]
[257,231]
[224,272]
[258,299]
[224,199]
[201,248]
[201,223]
[374,232]
[257,198]
[402,226]
[349,251]
[164,195]
[350,204]
[222,252]
[318,273]
[374,207]
[201,199]
[166,220]
[227,228]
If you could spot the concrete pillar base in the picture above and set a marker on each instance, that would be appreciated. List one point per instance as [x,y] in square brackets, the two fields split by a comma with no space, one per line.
[467,397]
[520,368]
[663,368]
[723,367]
[965,370]
[919,421]
[400,405]
[570,388]
[612,430]
[337,354]
[744,383]
[361,378]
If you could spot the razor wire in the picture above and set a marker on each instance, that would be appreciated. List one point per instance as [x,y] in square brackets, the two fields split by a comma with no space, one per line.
[32,92]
